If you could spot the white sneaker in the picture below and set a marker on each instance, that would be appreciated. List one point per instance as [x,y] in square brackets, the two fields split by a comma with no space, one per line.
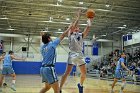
[111,91]
[13,87]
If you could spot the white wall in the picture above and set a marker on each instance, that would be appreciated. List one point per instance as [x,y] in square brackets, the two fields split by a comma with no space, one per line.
[62,49]
[135,39]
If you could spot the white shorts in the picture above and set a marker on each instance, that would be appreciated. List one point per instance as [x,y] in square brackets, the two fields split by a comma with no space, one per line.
[76,59]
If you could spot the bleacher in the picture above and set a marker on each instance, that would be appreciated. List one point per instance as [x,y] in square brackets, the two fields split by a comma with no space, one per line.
[130,79]
[97,73]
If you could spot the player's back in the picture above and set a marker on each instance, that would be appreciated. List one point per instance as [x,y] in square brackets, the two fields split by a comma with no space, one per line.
[7,60]
[48,52]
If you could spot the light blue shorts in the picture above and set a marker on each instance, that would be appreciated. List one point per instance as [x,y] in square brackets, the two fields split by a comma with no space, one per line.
[7,70]
[48,75]
[119,74]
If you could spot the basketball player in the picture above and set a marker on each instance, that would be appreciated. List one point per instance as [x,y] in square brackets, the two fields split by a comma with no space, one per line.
[119,73]
[48,51]
[76,55]
[1,65]
[8,69]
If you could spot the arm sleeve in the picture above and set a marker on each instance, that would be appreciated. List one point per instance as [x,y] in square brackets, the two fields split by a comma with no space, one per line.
[56,42]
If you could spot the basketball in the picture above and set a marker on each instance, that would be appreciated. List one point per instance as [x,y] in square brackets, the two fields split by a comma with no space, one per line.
[90,13]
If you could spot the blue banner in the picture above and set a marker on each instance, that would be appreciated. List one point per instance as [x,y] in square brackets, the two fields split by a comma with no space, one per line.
[95,48]
[129,37]
[124,38]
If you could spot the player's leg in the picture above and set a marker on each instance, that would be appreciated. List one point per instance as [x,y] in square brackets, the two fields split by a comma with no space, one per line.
[66,74]
[113,84]
[83,74]
[82,77]
[123,85]
[46,88]
[55,87]
[11,72]
[4,84]
[123,82]
[43,73]
[117,76]
[4,72]
[1,81]
[13,82]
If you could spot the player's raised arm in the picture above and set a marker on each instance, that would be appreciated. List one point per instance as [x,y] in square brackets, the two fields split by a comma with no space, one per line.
[90,15]
[86,30]
[75,23]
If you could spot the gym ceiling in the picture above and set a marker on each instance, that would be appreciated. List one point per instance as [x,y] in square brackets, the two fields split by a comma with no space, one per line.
[113,19]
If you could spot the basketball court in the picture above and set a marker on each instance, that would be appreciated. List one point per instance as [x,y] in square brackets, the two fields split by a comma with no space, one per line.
[32,84]
[114,28]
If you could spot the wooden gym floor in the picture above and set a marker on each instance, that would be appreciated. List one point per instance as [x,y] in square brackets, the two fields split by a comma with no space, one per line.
[32,84]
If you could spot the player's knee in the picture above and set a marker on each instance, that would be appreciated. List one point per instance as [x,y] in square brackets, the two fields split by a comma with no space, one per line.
[67,74]
[83,75]
[56,91]
[47,87]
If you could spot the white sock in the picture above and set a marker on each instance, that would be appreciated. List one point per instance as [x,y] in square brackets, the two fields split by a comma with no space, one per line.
[88,22]
[123,85]
[13,81]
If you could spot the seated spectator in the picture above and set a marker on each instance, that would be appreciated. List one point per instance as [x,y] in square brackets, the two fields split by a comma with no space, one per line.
[103,72]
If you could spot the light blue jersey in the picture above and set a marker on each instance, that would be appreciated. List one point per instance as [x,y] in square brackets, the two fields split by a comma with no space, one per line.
[7,60]
[119,67]
[47,70]
[7,65]
[119,70]
[48,52]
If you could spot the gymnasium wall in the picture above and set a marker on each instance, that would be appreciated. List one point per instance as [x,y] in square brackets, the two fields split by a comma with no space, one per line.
[134,40]
[62,49]
[32,64]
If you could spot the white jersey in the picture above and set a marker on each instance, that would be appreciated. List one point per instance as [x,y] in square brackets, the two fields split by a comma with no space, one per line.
[76,42]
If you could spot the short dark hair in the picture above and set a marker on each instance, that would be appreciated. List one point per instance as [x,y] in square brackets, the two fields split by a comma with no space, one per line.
[45,38]
[10,52]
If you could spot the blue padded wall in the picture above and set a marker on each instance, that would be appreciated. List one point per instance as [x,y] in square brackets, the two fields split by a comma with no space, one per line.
[26,67]
[34,67]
